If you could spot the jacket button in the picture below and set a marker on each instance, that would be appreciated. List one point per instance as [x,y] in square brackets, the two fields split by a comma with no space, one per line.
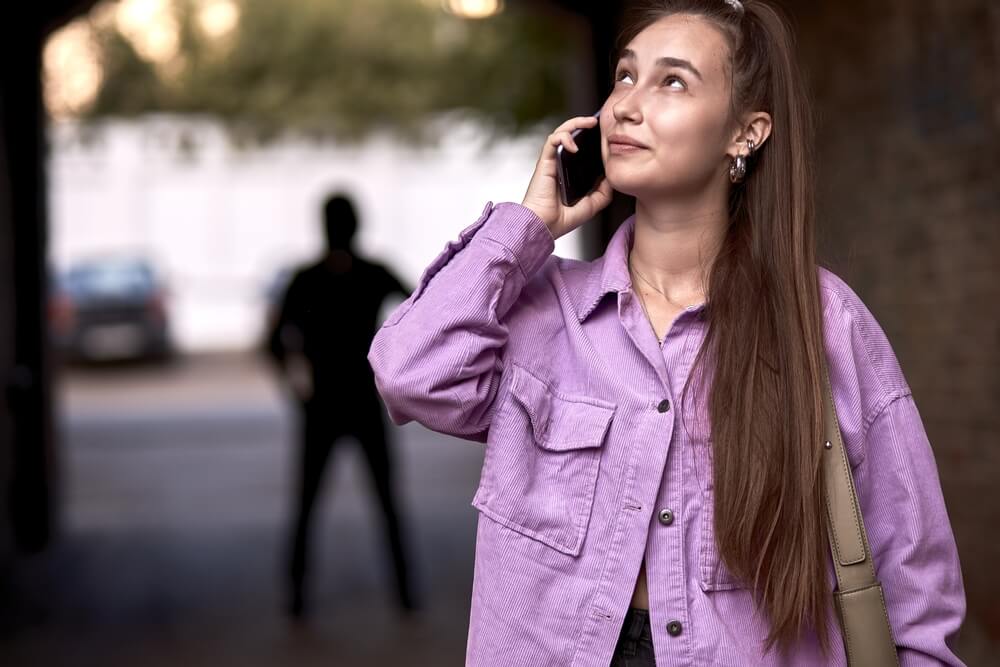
[663,406]
[666,517]
[674,628]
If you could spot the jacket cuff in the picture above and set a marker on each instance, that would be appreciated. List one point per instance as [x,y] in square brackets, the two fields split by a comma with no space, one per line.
[518,229]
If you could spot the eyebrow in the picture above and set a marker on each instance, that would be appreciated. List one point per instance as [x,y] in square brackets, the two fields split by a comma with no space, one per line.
[666,61]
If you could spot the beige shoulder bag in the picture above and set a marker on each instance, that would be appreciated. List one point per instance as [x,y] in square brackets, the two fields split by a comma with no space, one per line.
[860,605]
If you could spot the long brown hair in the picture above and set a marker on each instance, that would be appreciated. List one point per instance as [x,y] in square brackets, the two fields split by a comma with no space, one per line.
[764,341]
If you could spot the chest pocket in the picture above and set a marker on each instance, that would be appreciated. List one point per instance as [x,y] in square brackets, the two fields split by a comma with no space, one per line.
[542,459]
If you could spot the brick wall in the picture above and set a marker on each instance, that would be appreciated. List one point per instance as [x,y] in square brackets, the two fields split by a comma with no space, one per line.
[908,99]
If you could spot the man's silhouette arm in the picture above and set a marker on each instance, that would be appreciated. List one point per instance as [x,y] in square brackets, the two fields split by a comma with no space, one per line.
[285,327]
[286,343]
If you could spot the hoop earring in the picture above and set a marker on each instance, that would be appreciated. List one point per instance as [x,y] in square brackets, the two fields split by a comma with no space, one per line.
[738,167]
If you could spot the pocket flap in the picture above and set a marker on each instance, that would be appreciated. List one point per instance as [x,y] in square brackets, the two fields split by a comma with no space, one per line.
[561,421]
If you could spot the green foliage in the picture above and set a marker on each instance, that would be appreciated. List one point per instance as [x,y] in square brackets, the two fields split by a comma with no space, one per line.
[130,85]
[343,68]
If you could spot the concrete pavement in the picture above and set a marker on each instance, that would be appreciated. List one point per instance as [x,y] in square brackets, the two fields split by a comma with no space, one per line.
[176,492]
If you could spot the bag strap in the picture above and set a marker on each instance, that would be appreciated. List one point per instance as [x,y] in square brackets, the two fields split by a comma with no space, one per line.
[860,604]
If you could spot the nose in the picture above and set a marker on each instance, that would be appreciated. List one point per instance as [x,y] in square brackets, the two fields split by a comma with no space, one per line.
[626,108]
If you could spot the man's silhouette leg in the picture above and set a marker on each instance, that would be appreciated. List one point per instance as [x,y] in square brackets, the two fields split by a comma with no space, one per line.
[316,443]
[375,446]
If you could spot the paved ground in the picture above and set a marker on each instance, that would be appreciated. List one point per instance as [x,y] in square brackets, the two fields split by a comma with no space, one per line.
[176,492]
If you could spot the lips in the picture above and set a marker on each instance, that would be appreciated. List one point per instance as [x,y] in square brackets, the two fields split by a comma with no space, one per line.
[623,140]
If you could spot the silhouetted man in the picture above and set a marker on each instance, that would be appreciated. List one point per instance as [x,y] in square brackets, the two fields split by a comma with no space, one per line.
[321,338]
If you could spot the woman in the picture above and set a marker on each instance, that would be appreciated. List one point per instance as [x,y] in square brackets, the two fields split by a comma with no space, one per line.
[651,489]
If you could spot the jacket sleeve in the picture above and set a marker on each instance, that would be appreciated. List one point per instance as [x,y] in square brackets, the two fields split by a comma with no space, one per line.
[437,358]
[913,548]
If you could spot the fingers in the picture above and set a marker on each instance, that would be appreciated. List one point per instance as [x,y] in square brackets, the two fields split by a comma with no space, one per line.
[557,139]
[563,135]
[600,197]
[542,189]
[577,122]
[563,138]
[566,139]
[595,201]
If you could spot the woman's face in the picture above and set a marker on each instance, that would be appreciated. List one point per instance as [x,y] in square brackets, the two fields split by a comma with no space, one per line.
[671,94]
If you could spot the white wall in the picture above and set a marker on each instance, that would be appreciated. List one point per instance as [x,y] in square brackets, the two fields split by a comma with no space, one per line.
[219,221]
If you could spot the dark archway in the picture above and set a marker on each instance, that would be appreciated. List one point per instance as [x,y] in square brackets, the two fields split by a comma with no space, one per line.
[27,461]
[28,450]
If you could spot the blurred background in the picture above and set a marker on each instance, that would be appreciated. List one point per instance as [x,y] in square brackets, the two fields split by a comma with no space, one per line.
[163,168]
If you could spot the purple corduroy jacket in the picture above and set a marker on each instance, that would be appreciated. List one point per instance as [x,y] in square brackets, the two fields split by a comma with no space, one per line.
[591,463]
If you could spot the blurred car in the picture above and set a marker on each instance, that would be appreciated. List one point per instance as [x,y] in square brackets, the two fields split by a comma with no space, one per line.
[110,309]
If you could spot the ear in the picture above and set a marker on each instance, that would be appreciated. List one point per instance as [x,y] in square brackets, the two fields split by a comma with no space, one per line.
[756,127]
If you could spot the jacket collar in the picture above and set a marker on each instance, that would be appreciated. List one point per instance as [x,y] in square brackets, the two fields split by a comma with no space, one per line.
[608,273]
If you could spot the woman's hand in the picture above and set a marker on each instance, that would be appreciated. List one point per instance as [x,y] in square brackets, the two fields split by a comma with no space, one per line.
[542,195]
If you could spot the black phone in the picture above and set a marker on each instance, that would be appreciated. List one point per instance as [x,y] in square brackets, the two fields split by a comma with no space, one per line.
[578,173]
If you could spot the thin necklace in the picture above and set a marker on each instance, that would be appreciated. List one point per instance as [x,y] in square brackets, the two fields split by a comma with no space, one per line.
[642,302]
[645,280]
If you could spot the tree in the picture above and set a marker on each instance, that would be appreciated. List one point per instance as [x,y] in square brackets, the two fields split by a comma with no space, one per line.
[344,68]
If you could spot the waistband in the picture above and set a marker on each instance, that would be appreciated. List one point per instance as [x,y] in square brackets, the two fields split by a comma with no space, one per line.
[636,624]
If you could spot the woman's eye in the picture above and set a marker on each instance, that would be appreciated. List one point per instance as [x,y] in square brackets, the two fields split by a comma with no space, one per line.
[675,78]
[667,81]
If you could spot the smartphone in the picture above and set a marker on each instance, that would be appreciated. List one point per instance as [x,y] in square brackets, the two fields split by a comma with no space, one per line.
[579,173]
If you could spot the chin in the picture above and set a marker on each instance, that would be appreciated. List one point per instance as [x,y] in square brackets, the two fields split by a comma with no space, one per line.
[626,185]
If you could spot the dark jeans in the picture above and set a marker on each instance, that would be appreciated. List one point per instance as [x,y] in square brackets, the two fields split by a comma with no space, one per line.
[635,643]
[324,421]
